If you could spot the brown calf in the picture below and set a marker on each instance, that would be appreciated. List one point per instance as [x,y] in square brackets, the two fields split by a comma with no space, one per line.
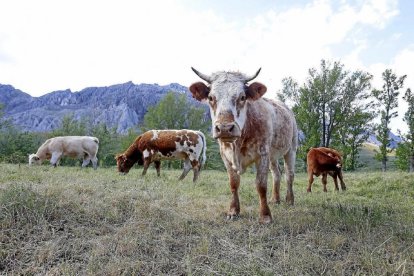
[324,161]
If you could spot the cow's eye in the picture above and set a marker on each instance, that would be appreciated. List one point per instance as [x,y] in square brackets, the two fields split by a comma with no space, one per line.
[243,98]
[210,98]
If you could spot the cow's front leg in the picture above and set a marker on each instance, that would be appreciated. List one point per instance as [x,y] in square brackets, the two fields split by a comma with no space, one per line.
[54,160]
[261,186]
[157,165]
[324,181]
[147,162]
[234,210]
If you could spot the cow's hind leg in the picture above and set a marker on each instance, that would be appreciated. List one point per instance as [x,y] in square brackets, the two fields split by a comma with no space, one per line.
[86,160]
[196,169]
[290,159]
[335,179]
[274,168]
[94,162]
[341,179]
[187,168]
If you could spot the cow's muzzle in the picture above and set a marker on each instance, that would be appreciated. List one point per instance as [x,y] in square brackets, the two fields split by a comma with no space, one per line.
[226,131]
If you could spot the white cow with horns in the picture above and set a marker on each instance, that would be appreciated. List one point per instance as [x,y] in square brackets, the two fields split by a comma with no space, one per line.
[85,147]
[250,130]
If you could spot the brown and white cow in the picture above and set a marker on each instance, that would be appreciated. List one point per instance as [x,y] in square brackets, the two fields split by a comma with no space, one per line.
[324,161]
[85,147]
[250,130]
[157,145]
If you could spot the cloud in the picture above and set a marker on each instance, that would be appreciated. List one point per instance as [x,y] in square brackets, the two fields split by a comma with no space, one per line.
[55,45]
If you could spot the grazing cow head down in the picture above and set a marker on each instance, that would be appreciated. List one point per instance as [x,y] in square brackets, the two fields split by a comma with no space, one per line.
[227,94]
[34,159]
[124,164]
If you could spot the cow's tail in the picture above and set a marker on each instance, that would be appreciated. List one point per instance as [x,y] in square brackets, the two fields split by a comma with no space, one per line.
[203,156]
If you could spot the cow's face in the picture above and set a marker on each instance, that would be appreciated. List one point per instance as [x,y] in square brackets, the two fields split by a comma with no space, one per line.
[228,95]
[123,164]
[34,159]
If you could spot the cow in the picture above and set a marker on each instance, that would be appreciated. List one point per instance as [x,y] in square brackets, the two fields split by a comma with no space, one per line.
[250,129]
[85,147]
[157,145]
[324,161]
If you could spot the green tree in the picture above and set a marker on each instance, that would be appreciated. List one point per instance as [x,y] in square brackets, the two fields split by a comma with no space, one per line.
[71,127]
[331,109]
[405,149]
[388,100]
[109,144]
[175,112]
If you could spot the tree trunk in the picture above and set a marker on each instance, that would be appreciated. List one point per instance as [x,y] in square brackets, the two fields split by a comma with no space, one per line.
[412,163]
[384,165]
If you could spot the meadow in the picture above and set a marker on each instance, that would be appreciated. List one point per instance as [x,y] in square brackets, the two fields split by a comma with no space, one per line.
[68,221]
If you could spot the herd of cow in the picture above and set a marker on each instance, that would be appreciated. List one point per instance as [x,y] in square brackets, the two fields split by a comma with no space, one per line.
[249,128]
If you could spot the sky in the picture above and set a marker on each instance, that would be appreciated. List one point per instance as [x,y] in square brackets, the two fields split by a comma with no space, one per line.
[49,45]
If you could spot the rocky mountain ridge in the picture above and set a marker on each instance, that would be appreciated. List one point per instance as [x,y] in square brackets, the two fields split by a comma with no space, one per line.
[122,105]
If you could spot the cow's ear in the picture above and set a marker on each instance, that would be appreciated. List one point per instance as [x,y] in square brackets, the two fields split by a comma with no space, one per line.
[199,90]
[255,91]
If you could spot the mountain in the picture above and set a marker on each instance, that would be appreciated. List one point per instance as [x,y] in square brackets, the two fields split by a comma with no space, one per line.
[122,105]
[395,140]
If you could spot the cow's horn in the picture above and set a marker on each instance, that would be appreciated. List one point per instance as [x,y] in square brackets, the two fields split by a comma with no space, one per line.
[202,76]
[249,78]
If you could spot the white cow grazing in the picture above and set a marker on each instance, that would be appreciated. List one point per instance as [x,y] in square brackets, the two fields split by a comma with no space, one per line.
[85,147]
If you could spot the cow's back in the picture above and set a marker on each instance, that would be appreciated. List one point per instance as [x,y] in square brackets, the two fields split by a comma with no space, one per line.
[74,145]
[283,130]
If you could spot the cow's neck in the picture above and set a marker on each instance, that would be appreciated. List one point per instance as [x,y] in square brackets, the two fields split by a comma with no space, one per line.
[132,153]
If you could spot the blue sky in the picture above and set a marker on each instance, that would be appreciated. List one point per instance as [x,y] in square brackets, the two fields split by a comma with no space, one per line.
[49,45]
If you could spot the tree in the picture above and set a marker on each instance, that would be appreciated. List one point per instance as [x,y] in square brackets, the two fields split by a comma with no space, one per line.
[69,126]
[331,108]
[175,112]
[388,100]
[405,149]
[109,144]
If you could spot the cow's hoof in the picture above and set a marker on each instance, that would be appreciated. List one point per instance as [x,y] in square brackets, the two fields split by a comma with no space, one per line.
[275,201]
[309,190]
[233,217]
[290,200]
[265,219]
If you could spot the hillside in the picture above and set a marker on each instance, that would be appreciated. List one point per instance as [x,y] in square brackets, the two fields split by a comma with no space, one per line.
[122,105]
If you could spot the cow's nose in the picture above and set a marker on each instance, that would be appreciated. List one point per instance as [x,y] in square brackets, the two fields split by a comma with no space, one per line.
[226,130]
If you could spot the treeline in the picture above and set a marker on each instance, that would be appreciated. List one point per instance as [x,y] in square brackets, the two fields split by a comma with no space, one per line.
[172,112]
[337,108]
[334,107]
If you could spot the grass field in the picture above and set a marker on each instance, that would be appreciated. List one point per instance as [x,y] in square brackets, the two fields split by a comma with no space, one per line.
[67,221]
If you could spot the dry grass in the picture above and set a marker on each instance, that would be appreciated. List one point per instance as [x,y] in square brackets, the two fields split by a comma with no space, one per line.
[68,221]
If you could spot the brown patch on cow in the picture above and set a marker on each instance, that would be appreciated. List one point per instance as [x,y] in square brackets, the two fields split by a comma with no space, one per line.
[255,91]
[225,117]
[199,91]
[253,131]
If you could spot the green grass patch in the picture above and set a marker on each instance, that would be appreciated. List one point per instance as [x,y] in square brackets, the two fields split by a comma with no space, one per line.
[68,220]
